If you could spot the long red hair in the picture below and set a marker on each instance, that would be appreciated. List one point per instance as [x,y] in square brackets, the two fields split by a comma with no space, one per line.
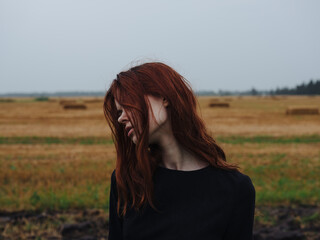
[136,163]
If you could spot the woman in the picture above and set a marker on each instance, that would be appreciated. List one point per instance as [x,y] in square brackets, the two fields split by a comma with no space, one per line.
[171,180]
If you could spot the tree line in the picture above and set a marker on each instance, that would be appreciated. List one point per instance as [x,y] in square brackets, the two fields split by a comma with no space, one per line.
[311,88]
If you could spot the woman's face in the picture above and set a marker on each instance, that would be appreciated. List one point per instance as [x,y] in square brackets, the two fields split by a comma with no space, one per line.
[156,120]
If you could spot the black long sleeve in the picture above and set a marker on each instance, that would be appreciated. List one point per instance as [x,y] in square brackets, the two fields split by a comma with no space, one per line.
[241,223]
[204,204]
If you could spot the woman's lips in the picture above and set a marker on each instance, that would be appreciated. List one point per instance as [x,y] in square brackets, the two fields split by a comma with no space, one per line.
[129,133]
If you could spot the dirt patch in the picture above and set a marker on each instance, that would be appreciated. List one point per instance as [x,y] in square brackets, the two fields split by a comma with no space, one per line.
[282,222]
[287,223]
[77,224]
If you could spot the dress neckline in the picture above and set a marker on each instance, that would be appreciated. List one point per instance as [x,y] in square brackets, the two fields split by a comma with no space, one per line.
[183,171]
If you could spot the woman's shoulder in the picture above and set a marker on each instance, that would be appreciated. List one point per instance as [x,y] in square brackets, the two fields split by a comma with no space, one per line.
[234,179]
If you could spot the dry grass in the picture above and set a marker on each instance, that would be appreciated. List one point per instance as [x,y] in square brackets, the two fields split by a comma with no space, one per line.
[50,119]
[54,176]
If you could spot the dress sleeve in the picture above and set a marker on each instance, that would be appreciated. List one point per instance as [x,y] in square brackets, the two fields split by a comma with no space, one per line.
[115,222]
[241,222]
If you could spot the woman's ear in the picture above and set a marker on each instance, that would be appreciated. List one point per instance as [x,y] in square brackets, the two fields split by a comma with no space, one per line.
[165,102]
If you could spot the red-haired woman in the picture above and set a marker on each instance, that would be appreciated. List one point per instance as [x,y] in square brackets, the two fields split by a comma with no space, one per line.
[171,180]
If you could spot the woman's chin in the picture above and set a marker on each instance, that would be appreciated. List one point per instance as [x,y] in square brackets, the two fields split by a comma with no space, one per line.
[134,139]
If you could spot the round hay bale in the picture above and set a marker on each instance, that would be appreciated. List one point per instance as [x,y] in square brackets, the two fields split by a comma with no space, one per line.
[74,106]
[295,110]
[219,105]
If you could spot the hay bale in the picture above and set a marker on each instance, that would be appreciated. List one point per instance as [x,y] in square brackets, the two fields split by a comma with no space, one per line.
[293,110]
[220,104]
[74,106]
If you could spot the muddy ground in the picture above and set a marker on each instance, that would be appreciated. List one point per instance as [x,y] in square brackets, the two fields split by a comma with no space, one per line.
[287,223]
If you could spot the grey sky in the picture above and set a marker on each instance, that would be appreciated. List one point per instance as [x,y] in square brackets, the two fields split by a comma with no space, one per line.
[63,45]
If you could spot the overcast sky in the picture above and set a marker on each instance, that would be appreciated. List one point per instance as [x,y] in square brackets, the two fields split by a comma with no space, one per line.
[66,45]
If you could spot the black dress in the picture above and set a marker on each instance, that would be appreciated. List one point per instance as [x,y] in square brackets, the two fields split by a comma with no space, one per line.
[208,203]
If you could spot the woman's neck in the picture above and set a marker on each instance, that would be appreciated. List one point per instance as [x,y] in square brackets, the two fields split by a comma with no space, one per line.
[174,156]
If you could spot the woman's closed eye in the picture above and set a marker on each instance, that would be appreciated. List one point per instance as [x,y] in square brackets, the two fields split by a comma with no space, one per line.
[119,112]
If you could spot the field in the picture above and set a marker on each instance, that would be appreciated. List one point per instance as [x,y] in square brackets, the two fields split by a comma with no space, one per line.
[53,159]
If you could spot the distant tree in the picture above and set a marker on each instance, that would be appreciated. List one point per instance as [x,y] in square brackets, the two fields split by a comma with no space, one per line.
[41,99]
[253,92]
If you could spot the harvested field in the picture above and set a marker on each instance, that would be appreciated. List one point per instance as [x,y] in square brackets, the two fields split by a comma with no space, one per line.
[248,116]
[59,162]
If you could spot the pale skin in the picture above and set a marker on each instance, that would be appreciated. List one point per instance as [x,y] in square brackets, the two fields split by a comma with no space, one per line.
[160,132]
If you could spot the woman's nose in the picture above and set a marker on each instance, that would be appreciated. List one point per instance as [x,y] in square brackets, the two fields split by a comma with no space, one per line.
[123,117]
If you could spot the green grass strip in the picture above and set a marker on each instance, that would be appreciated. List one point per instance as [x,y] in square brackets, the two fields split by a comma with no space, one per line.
[101,140]
[270,139]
